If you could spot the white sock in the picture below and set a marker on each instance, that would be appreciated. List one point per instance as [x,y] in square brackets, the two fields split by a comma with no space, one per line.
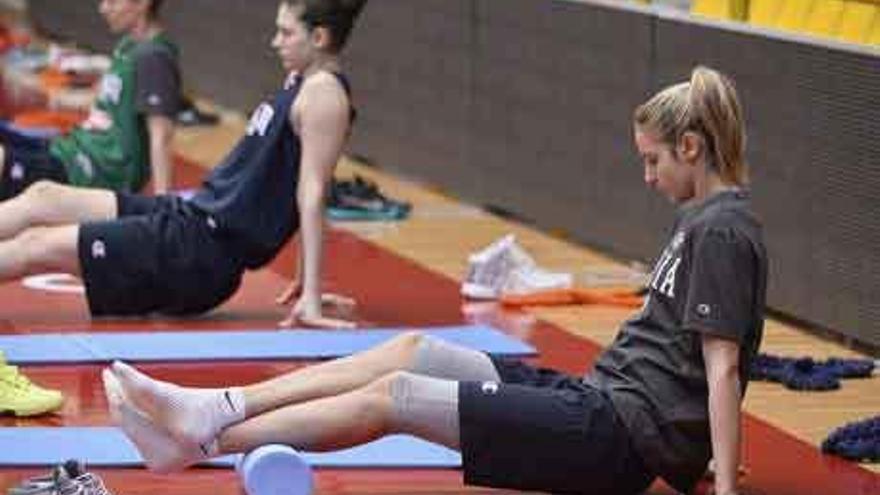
[113,391]
[190,415]
[160,451]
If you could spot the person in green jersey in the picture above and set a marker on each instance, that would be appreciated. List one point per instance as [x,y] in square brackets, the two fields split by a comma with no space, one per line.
[126,138]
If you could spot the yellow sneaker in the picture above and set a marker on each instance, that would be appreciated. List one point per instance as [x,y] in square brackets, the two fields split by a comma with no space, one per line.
[19,396]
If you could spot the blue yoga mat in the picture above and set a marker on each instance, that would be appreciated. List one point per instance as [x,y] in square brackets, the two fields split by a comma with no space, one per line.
[226,345]
[109,447]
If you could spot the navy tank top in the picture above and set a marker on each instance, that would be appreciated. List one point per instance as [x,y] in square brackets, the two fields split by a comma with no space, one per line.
[250,198]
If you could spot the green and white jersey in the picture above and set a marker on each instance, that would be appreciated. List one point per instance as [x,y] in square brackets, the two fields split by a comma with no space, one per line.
[112,149]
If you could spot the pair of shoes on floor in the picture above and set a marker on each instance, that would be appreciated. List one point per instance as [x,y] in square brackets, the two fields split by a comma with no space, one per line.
[21,397]
[360,199]
[809,374]
[69,478]
[858,441]
[505,268]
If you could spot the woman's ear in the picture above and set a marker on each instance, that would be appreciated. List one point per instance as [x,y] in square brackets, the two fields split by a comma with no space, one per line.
[690,146]
[321,38]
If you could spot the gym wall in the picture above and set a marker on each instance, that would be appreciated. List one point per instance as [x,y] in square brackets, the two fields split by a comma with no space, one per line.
[525,105]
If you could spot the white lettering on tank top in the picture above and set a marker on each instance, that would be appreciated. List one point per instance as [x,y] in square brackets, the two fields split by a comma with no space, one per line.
[111,88]
[85,164]
[260,120]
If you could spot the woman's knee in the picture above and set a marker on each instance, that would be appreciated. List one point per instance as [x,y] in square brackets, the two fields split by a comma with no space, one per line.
[377,401]
[51,203]
[41,198]
[30,246]
[419,405]
[388,384]
[48,248]
[406,345]
[43,190]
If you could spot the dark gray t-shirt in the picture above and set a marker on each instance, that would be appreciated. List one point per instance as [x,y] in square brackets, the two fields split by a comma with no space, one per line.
[157,81]
[709,279]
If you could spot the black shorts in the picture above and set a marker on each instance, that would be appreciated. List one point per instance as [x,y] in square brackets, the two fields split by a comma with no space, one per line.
[158,256]
[27,161]
[544,430]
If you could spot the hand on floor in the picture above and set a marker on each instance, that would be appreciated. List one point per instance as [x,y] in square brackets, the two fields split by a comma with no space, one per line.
[309,313]
[338,302]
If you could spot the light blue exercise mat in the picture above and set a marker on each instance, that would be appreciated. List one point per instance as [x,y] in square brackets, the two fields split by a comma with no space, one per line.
[254,344]
[109,447]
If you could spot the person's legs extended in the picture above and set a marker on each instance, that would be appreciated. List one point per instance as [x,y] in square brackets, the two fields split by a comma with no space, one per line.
[40,249]
[49,204]
[511,436]
[197,415]
[398,402]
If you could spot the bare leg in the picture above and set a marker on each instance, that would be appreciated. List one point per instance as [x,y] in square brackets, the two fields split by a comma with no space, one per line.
[330,423]
[40,249]
[333,377]
[47,204]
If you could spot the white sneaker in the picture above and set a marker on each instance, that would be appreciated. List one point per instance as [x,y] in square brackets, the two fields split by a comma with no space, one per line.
[505,267]
[527,280]
[488,269]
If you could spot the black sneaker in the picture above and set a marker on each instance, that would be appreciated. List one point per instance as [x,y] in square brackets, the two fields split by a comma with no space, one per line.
[360,199]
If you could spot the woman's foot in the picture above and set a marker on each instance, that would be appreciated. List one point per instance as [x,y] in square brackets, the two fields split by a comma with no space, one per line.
[189,415]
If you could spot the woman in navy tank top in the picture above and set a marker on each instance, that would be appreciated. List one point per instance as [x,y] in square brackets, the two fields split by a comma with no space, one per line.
[139,255]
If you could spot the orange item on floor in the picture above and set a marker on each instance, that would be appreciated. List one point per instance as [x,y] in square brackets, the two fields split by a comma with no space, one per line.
[626,298]
[59,119]
[51,78]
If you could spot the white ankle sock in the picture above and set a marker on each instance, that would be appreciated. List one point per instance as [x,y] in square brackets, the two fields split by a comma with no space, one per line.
[190,415]
[114,394]
[160,451]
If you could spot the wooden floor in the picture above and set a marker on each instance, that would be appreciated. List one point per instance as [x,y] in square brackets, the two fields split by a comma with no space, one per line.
[406,273]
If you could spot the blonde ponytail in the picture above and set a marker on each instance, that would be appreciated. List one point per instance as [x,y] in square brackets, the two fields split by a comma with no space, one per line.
[709,106]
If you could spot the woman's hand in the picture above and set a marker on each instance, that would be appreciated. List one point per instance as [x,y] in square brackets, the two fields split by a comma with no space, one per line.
[308,311]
